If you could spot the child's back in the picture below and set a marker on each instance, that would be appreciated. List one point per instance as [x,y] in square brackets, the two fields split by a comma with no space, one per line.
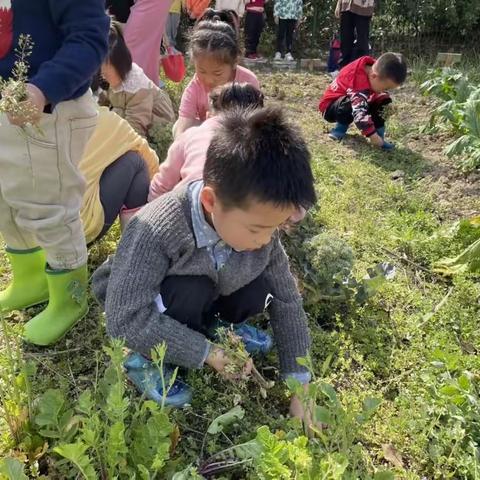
[139,101]
[238,6]
[185,160]
[132,94]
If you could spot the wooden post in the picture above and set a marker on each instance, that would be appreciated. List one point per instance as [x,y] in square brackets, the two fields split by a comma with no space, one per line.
[447,59]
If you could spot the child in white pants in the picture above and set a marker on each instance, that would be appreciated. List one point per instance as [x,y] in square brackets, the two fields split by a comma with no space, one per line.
[41,188]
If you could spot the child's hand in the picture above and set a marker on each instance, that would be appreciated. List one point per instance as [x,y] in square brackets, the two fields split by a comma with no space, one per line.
[276,20]
[33,107]
[298,411]
[219,361]
[338,8]
[376,140]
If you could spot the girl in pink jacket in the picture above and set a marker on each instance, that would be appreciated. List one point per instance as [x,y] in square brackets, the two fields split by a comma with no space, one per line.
[186,156]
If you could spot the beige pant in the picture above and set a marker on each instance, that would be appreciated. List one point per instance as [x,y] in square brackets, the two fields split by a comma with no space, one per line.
[41,188]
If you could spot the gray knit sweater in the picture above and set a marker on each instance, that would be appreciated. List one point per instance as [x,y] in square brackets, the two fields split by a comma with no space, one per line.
[159,242]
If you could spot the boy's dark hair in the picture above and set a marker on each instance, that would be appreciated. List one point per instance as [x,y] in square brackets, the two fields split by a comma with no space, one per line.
[215,38]
[235,95]
[118,53]
[257,155]
[227,16]
[392,66]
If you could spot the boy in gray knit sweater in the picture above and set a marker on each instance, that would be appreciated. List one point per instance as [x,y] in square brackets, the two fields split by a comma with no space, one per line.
[211,250]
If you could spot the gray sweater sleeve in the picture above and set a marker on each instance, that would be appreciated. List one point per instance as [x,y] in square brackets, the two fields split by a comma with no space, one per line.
[131,282]
[287,316]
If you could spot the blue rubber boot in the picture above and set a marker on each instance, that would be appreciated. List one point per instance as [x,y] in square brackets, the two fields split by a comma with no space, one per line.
[146,378]
[338,132]
[386,145]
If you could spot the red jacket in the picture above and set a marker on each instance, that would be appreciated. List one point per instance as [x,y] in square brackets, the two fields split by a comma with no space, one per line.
[253,4]
[352,81]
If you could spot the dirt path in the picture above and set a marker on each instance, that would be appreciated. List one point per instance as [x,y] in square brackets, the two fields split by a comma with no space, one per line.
[457,194]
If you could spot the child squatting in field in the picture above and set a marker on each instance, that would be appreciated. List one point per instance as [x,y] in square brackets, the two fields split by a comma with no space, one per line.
[210,250]
[359,95]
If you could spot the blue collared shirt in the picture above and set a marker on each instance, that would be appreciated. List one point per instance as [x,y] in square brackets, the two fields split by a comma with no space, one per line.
[205,235]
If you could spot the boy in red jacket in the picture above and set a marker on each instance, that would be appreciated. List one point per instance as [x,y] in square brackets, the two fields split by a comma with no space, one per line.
[359,95]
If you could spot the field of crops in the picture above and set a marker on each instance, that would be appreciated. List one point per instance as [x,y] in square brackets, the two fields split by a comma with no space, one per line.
[388,263]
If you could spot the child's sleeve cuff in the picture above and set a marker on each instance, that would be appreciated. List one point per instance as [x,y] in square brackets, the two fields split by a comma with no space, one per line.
[207,351]
[369,131]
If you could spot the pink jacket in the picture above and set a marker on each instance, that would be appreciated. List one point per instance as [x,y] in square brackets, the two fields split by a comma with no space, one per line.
[194,103]
[185,160]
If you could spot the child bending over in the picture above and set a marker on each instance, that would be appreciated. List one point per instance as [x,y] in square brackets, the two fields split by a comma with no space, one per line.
[131,94]
[359,95]
[212,249]
[118,165]
[186,156]
[215,53]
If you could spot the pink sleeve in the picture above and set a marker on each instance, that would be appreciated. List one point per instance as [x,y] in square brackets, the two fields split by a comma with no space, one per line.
[254,81]
[169,173]
[188,103]
[247,76]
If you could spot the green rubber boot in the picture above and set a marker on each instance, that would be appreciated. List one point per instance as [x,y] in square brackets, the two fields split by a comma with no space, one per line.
[67,305]
[29,283]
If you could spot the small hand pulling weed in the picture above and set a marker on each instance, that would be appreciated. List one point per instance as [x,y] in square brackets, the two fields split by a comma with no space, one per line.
[242,365]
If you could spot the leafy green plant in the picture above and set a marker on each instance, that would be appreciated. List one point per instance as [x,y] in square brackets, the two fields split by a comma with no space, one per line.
[467,146]
[222,421]
[16,398]
[460,110]
[55,418]
[469,259]
[447,84]
[325,263]
[326,409]
[12,469]
[13,90]
[331,453]
[454,431]
[106,433]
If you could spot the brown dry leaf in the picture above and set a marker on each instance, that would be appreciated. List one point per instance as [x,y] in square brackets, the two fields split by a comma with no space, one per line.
[392,455]
[174,438]
[19,421]
[39,452]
